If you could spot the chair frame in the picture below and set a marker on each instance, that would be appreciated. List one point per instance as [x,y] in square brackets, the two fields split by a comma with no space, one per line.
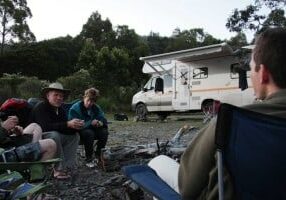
[223,131]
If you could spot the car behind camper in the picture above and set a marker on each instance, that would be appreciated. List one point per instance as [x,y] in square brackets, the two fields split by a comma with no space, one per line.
[191,80]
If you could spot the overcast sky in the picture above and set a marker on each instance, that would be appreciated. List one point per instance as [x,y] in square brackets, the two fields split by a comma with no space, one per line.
[54,18]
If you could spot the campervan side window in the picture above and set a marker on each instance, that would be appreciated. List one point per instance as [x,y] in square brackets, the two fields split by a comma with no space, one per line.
[234,71]
[200,73]
[168,81]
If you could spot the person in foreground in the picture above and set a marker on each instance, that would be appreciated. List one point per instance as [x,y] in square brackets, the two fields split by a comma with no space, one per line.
[95,124]
[52,117]
[196,176]
[23,144]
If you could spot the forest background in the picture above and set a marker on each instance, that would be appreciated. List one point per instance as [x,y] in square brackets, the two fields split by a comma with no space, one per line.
[103,55]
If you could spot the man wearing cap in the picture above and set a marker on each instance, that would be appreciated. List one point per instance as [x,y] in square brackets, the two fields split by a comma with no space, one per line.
[51,116]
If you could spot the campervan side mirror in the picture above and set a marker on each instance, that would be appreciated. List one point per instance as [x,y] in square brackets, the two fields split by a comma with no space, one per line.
[159,85]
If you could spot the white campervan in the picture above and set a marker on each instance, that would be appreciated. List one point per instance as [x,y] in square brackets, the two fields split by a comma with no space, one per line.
[191,80]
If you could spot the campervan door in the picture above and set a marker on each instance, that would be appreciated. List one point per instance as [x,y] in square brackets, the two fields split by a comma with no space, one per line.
[182,79]
[158,93]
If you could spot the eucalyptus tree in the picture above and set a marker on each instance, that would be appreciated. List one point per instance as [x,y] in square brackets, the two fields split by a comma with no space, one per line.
[13,17]
[192,38]
[99,30]
[255,18]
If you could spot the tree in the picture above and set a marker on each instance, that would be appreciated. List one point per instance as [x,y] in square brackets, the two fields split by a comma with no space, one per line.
[126,38]
[239,40]
[13,15]
[87,56]
[48,59]
[251,18]
[110,69]
[99,30]
[190,39]
[275,18]
[156,43]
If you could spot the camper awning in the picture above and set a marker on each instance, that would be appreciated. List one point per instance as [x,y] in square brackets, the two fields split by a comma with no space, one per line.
[222,49]
[164,62]
[157,66]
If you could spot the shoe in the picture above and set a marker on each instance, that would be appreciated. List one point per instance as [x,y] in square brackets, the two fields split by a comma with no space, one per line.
[90,164]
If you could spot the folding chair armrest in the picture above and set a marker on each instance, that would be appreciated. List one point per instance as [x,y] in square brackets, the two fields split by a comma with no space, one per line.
[24,165]
[147,178]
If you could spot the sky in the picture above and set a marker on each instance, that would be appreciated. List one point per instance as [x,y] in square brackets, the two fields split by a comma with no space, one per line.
[55,18]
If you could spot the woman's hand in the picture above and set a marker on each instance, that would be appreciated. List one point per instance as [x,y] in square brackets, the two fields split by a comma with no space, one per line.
[96,123]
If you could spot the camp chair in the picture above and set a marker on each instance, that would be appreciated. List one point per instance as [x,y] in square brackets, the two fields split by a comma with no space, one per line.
[145,177]
[12,186]
[252,148]
[37,170]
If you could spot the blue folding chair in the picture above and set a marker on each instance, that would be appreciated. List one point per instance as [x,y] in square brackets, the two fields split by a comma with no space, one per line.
[146,178]
[252,147]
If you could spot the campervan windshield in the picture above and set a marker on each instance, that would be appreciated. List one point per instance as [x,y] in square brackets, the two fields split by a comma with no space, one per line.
[150,85]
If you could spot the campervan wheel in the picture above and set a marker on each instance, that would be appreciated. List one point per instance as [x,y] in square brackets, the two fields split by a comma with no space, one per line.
[141,112]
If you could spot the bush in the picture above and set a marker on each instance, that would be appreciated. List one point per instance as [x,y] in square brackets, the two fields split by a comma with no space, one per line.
[120,98]
[106,104]
[5,93]
[11,81]
[31,87]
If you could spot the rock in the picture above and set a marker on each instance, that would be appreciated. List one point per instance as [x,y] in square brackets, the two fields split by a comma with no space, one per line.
[109,185]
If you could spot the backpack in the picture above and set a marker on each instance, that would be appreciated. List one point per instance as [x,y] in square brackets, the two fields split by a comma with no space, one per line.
[19,107]
[14,103]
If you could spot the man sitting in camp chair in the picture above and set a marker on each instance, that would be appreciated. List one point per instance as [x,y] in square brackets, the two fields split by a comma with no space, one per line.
[25,149]
[196,177]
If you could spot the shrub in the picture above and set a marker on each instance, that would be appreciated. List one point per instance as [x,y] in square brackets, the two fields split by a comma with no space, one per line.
[107,104]
[5,92]
[31,87]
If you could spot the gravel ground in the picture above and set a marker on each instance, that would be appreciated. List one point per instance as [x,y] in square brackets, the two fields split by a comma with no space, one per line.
[97,184]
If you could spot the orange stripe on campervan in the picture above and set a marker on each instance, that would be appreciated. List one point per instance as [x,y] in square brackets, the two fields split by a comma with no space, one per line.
[215,89]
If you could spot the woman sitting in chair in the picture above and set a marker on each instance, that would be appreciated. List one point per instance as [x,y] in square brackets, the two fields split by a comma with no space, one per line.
[95,124]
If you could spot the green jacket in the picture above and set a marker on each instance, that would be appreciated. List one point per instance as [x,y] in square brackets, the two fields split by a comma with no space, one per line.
[198,170]
[80,112]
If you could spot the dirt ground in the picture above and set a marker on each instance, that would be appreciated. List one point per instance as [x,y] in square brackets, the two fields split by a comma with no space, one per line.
[96,183]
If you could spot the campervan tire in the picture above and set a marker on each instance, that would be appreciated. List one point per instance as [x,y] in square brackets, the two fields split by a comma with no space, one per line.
[141,112]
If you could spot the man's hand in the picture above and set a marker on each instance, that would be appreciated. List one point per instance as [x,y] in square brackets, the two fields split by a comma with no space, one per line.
[17,130]
[10,123]
[75,124]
